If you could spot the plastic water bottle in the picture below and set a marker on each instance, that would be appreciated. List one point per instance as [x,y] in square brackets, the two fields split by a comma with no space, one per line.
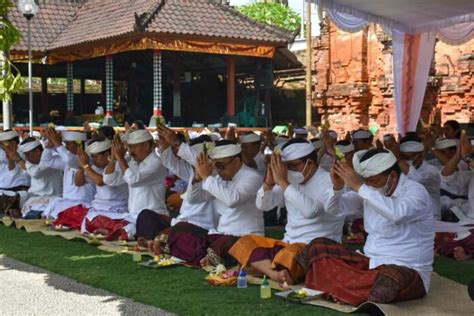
[242,279]
[265,290]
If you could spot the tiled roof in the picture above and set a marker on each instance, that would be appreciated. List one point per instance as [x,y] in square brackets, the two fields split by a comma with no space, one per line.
[52,19]
[66,23]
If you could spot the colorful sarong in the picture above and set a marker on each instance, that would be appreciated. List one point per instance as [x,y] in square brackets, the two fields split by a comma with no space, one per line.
[115,227]
[254,248]
[445,243]
[188,242]
[345,275]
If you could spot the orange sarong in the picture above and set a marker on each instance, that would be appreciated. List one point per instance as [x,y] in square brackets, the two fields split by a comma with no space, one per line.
[285,257]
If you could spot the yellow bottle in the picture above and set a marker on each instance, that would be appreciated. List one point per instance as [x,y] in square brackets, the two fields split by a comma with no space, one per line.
[265,290]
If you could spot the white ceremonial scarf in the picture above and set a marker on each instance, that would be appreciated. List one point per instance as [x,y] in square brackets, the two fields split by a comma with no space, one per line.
[374,165]
[296,151]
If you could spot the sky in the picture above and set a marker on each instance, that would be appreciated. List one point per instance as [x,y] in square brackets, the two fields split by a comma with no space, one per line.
[296,5]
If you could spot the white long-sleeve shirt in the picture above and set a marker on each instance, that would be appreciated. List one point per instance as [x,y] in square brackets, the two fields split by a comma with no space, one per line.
[45,181]
[234,201]
[146,185]
[201,214]
[111,197]
[65,160]
[428,176]
[400,227]
[11,178]
[306,205]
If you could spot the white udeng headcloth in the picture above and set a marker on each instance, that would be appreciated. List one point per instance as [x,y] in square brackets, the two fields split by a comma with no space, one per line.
[23,149]
[411,147]
[345,149]
[224,151]
[98,147]
[73,136]
[296,151]
[249,138]
[361,134]
[445,143]
[374,165]
[4,136]
[139,136]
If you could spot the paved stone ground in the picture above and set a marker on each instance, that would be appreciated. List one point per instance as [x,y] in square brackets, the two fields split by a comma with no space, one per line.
[28,290]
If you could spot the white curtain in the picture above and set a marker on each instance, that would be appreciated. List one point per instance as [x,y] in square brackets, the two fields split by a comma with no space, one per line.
[347,22]
[457,34]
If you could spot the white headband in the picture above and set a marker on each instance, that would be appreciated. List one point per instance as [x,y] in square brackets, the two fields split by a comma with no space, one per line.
[4,136]
[296,151]
[190,153]
[345,149]
[374,165]
[411,147]
[249,138]
[98,147]
[224,151]
[445,143]
[139,136]
[361,134]
[73,136]
[23,149]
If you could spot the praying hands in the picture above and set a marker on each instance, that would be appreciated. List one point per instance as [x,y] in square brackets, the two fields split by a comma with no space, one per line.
[204,167]
[348,176]
[279,171]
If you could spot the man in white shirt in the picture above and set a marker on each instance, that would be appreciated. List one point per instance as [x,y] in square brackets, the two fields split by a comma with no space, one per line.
[232,190]
[460,245]
[12,177]
[187,237]
[106,213]
[252,154]
[410,157]
[65,158]
[46,182]
[399,249]
[293,180]
[145,176]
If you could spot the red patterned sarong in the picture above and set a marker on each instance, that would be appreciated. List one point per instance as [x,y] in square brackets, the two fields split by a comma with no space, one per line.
[72,217]
[345,275]
[114,227]
[445,243]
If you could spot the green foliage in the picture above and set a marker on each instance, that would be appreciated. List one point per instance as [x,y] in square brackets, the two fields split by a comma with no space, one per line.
[272,13]
[10,80]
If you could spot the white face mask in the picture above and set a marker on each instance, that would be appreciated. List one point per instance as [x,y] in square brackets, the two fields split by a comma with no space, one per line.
[385,190]
[297,177]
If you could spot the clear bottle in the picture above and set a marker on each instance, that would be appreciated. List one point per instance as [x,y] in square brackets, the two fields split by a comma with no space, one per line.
[265,290]
[242,279]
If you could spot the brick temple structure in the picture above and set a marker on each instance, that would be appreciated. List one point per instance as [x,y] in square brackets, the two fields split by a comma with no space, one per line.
[354,80]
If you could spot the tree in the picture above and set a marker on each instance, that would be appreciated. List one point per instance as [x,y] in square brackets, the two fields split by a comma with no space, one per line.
[10,77]
[272,13]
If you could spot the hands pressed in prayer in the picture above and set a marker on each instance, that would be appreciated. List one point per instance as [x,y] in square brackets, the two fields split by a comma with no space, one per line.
[279,171]
[428,140]
[337,181]
[268,138]
[348,137]
[378,144]
[348,175]
[168,136]
[269,182]
[231,133]
[328,142]
[82,157]
[12,154]
[53,137]
[465,145]
[393,146]
[118,149]
[204,166]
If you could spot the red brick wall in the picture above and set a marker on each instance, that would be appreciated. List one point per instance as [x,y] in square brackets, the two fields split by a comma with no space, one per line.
[354,80]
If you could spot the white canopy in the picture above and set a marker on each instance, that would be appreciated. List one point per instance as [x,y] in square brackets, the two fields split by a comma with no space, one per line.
[413,25]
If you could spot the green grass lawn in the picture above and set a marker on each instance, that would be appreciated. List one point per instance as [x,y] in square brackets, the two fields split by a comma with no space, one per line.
[180,290]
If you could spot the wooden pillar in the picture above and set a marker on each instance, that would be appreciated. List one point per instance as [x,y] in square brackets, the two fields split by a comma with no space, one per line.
[231,86]
[177,88]
[44,96]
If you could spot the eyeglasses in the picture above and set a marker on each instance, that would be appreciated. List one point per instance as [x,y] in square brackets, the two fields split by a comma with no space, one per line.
[294,165]
[222,164]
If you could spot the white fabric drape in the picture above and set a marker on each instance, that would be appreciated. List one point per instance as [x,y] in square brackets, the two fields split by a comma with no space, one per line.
[347,22]
[457,34]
